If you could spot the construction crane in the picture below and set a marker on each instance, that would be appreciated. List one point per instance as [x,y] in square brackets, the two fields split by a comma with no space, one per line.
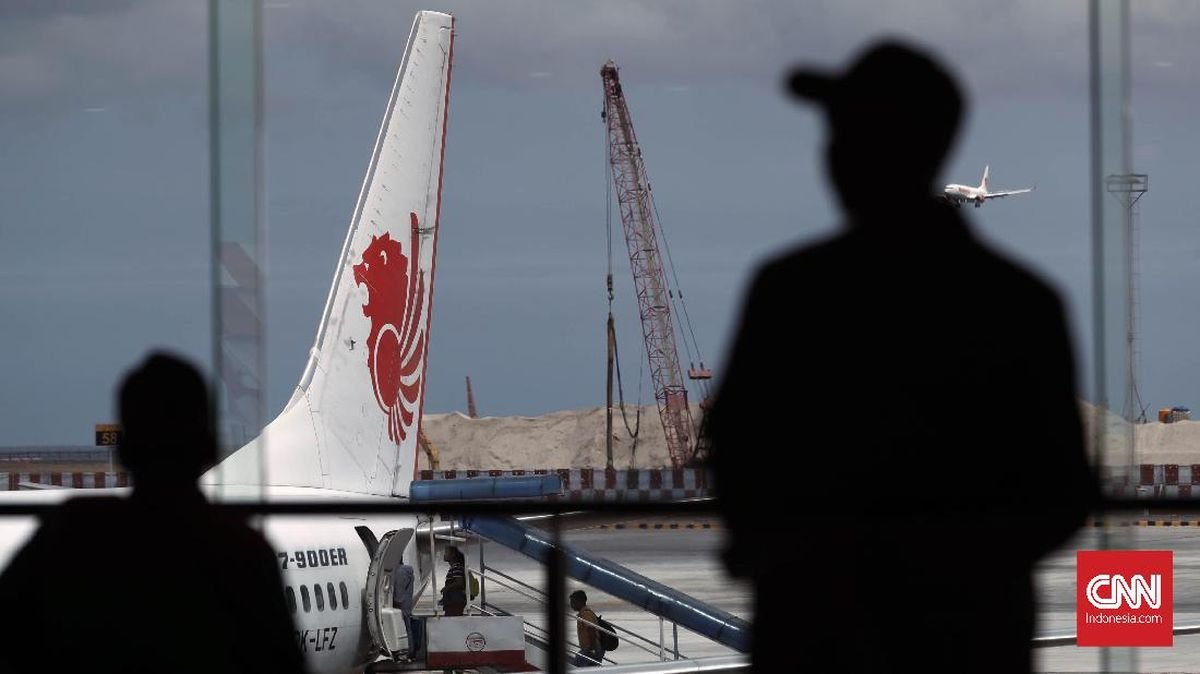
[471,401]
[639,219]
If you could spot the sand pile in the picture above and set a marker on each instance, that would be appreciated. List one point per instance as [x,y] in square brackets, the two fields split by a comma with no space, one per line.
[570,439]
[575,439]
[1154,442]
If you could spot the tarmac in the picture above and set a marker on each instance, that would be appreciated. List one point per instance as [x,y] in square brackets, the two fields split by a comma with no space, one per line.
[685,558]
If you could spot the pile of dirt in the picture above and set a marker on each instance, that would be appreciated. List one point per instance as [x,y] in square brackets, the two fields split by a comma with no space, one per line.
[569,439]
[575,439]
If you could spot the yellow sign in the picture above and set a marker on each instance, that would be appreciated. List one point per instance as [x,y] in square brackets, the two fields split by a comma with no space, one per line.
[108,435]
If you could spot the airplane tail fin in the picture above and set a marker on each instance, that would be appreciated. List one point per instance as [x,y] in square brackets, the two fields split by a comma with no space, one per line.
[353,420]
[983,184]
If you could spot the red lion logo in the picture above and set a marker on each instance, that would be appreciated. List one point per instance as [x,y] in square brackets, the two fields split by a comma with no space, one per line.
[395,305]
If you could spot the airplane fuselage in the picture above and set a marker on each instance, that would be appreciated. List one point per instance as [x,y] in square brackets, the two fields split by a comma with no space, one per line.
[960,193]
[957,194]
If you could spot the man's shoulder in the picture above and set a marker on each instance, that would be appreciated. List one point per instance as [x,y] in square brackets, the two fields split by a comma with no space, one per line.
[841,254]
[798,259]
[1018,279]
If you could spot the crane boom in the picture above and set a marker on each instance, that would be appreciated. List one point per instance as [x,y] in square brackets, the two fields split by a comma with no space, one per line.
[650,281]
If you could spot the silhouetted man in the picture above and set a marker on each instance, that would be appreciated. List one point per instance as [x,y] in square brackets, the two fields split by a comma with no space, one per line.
[908,392]
[591,649]
[161,581]
[454,589]
[402,598]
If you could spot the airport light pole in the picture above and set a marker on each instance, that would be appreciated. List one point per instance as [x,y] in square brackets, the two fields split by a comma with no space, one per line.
[1129,188]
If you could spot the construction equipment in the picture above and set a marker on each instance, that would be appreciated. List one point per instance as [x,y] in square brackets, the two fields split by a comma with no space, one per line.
[1169,415]
[642,227]
[471,401]
[431,452]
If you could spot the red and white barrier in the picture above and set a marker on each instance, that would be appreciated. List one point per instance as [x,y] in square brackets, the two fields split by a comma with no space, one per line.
[73,480]
[598,484]
[471,642]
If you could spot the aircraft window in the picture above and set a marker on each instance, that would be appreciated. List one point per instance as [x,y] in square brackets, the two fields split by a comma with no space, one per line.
[345,597]
[332,596]
[320,597]
[291,598]
[304,598]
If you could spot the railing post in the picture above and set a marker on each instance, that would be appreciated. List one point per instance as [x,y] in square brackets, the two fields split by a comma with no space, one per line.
[675,630]
[556,570]
[662,638]
[482,577]
[433,565]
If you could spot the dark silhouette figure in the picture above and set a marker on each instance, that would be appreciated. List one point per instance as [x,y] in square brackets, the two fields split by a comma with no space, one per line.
[896,439]
[161,581]
[591,650]
[454,589]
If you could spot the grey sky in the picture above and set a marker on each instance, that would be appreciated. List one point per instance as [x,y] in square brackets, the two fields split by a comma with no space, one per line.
[103,178]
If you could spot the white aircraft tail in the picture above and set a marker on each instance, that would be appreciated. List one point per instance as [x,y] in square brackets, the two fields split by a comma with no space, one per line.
[352,422]
[983,183]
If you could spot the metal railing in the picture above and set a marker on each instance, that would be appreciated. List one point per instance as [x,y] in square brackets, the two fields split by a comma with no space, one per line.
[657,649]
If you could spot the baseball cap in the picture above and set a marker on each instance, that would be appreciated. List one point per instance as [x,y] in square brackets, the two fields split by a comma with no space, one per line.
[890,86]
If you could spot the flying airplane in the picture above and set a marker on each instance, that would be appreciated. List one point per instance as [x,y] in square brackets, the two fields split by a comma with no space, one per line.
[957,194]
[350,429]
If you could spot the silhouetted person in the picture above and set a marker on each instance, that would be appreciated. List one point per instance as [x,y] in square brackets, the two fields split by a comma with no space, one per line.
[591,650]
[454,590]
[402,598]
[911,395]
[161,581]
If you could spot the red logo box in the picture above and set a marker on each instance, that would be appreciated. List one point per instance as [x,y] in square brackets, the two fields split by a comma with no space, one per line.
[1124,597]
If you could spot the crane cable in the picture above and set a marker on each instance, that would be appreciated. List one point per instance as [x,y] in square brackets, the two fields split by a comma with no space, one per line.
[678,290]
[608,189]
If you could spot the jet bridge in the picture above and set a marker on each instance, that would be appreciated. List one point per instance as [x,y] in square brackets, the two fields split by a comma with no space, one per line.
[618,581]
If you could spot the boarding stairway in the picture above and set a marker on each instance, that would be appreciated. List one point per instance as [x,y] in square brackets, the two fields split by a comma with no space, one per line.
[538,637]
[668,604]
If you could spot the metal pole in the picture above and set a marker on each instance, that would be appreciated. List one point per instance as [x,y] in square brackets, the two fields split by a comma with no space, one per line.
[482,577]
[608,435]
[662,638]
[675,630]
[433,565]
[556,572]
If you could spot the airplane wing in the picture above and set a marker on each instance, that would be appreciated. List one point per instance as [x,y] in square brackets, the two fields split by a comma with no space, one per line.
[1007,193]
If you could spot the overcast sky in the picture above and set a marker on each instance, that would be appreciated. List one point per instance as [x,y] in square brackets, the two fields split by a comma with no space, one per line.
[104,247]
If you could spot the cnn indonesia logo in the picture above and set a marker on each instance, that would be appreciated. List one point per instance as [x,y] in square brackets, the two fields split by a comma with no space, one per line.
[1124,597]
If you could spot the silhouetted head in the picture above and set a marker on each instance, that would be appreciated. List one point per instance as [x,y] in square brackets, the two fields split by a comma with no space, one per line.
[166,422]
[893,116]
[578,600]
